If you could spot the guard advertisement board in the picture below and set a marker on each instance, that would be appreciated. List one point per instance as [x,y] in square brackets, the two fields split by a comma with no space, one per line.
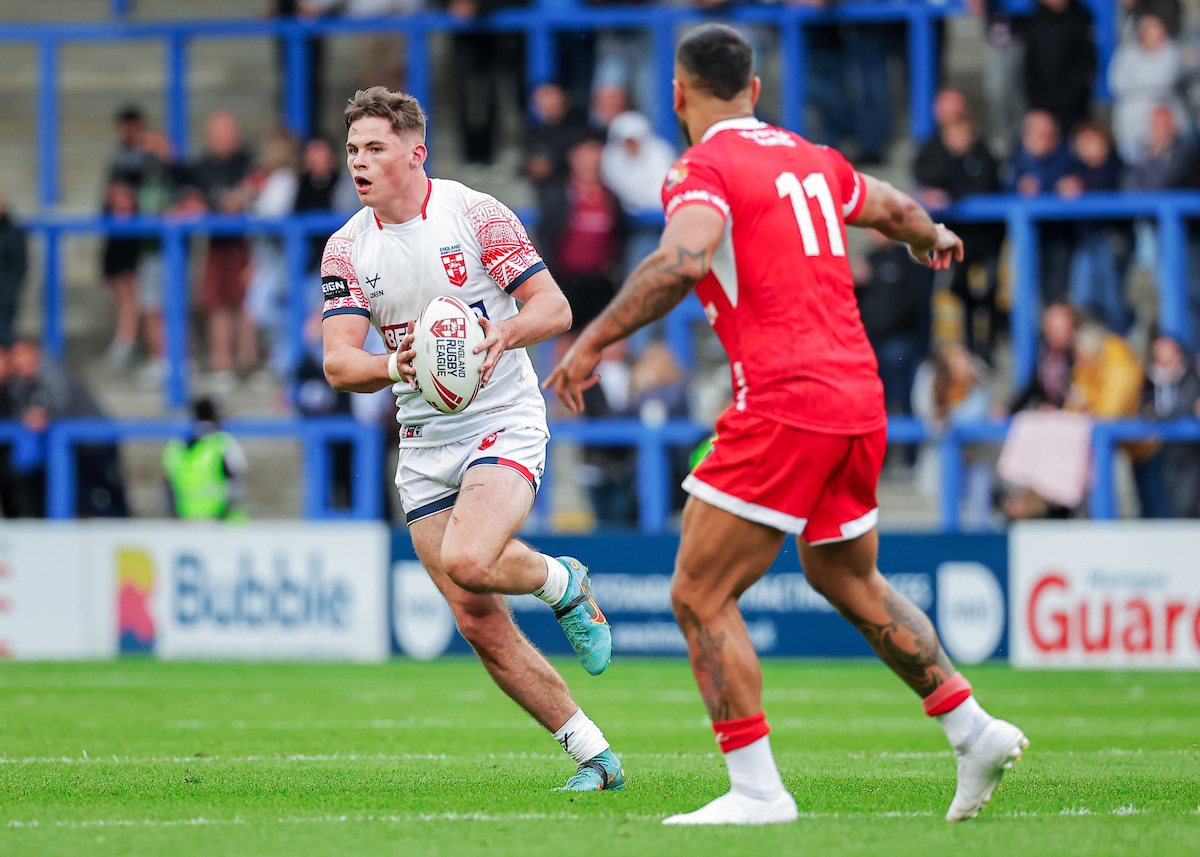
[1105,594]
[959,580]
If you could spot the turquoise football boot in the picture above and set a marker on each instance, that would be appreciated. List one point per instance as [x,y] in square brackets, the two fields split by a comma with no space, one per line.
[584,624]
[599,773]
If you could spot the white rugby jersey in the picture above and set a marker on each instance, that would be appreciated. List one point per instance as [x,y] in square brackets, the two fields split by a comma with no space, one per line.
[466,244]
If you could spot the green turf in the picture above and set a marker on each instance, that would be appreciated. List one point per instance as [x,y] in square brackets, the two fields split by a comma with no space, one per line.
[409,758]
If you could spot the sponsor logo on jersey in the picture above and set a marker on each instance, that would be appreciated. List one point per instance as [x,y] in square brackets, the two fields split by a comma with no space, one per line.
[409,432]
[449,328]
[393,335]
[334,288]
[768,137]
[455,264]
[488,441]
[676,175]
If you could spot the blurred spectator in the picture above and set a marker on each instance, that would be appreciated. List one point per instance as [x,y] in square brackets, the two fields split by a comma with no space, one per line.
[848,85]
[119,266]
[316,189]
[607,103]
[894,302]
[952,164]
[1173,392]
[1037,168]
[9,498]
[623,63]
[1003,73]
[582,231]
[157,196]
[42,392]
[220,175]
[481,61]
[206,476]
[1051,381]
[949,390]
[1144,75]
[1060,61]
[1103,249]
[1166,156]
[274,182]
[634,165]
[608,471]
[1106,383]
[14,264]
[553,126]
[1170,12]
[131,157]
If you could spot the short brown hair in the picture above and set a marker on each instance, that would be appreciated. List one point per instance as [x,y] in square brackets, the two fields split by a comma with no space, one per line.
[401,109]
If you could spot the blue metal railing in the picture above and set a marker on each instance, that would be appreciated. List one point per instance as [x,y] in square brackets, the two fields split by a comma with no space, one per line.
[653,478]
[539,22]
[1171,210]
[56,449]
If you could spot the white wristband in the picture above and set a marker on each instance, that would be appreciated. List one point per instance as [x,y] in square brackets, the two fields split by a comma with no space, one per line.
[393,369]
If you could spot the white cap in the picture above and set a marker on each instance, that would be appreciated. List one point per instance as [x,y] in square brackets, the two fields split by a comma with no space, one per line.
[629,125]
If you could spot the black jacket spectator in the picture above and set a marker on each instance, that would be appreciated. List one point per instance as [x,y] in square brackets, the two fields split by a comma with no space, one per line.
[1060,61]
[14,264]
[1172,392]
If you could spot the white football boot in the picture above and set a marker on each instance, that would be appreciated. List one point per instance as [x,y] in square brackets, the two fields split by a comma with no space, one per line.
[737,808]
[981,765]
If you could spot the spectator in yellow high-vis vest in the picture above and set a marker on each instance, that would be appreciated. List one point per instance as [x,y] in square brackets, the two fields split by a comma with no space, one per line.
[205,476]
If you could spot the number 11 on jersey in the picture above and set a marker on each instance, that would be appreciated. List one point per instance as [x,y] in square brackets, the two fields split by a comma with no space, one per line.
[799,192]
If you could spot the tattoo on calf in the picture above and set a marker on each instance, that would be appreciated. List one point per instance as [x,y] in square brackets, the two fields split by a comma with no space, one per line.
[707,663]
[908,643]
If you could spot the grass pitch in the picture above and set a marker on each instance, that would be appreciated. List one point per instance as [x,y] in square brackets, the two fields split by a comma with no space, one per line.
[145,758]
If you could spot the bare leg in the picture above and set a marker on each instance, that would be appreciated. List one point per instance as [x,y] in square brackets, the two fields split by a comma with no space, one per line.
[220,339]
[124,288]
[152,331]
[900,633]
[484,620]
[247,340]
[720,557]
[478,552]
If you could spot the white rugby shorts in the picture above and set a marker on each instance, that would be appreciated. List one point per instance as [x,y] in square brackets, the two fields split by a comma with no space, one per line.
[429,477]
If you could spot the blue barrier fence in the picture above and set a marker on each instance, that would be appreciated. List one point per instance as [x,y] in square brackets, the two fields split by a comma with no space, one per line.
[56,448]
[1170,209]
[540,22]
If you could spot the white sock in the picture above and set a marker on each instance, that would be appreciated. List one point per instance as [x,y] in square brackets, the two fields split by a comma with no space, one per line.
[581,738]
[752,770]
[963,723]
[557,578]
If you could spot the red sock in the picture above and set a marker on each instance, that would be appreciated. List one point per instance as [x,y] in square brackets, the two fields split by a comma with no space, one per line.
[949,696]
[735,734]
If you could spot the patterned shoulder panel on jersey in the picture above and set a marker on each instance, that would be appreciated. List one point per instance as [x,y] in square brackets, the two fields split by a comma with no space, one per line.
[339,283]
[508,255]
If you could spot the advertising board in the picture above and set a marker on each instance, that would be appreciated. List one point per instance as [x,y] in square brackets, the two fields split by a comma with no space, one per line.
[1105,594]
[958,579]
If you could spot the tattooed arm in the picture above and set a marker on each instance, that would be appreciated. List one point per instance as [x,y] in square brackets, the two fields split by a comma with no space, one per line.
[654,288]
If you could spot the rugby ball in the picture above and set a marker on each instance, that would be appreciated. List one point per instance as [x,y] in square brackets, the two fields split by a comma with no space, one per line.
[446,364]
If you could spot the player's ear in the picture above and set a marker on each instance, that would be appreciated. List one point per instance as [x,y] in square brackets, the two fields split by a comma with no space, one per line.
[678,95]
[755,89]
[420,153]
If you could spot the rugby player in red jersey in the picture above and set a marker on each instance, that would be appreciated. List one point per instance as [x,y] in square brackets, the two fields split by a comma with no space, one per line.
[756,223]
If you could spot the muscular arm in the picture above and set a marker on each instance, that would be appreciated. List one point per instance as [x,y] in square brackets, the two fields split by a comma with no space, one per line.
[655,287]
[901,218]
[348,368]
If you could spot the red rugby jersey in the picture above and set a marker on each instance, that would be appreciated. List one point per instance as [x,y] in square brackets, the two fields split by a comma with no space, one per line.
[780,296]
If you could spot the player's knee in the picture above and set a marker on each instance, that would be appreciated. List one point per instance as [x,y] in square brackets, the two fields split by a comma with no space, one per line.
[692,602]
[483,629]
[468,568]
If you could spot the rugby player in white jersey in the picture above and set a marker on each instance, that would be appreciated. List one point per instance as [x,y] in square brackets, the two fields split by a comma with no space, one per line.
[467,480]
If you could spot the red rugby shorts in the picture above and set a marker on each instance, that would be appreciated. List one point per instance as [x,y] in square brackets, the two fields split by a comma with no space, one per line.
[819,486]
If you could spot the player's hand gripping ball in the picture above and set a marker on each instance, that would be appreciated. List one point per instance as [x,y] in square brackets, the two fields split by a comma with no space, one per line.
[446,365]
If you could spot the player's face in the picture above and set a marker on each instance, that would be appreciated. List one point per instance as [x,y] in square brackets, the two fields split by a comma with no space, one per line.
[382,161]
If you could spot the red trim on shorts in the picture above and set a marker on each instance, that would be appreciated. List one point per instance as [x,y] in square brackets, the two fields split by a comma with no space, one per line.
[428,193]
[948,697]
[735,734]
[507,462]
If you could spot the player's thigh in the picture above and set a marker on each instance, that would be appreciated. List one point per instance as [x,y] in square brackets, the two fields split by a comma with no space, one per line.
[483,618]
[721,555]
[499,481]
